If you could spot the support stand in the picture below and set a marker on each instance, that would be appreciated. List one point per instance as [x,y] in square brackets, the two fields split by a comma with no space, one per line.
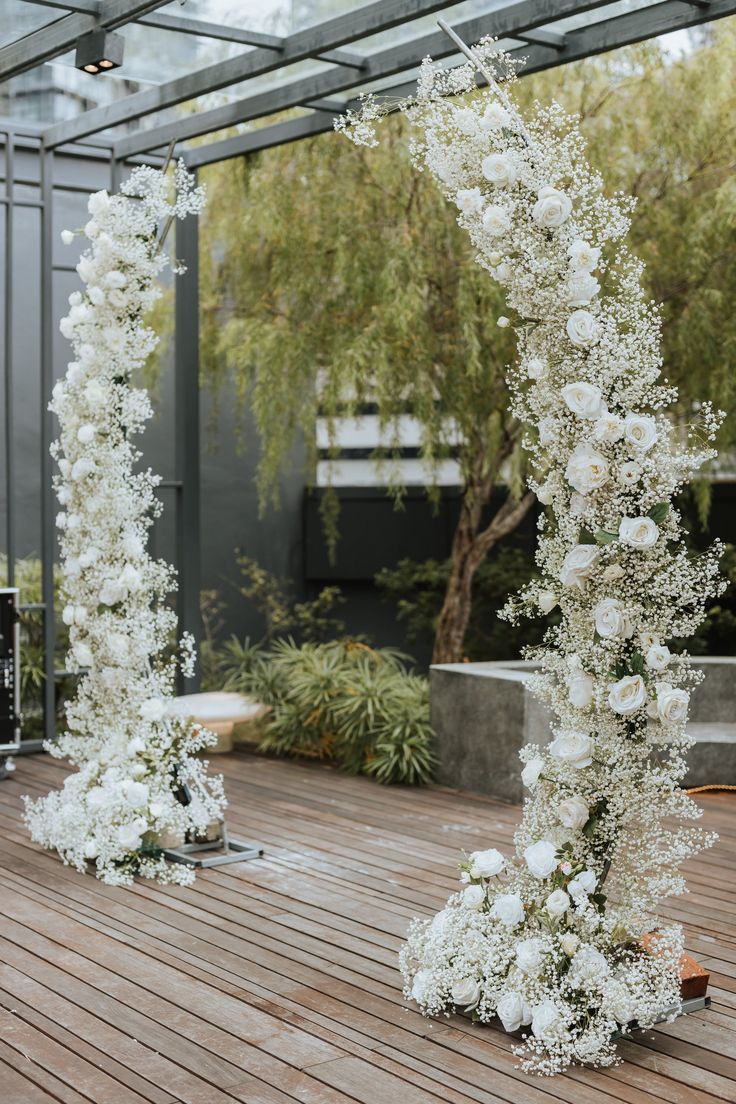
[230,850]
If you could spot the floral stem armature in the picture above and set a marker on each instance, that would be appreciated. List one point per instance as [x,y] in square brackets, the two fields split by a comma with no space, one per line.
[552,941]
[133,750]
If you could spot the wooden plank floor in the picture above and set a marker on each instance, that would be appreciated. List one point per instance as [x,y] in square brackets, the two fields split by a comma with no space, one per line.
[275,981]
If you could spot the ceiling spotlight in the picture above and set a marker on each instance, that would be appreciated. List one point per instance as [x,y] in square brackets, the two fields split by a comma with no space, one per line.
[99,51]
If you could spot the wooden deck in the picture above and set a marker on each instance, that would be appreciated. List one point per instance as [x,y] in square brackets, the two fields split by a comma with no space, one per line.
[275,981]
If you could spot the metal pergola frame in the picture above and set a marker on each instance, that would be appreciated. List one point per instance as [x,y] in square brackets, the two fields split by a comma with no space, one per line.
[527,26]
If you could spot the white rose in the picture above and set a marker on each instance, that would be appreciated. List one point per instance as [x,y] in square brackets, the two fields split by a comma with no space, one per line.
[573,812]
[153,709]
[638,532]
[91,849]
[112,593]
[495,117]
[545,494]
[658,657]
[530,956]
[583,257]
[508,908]
[96,296]
[583,399]
[115,279]
[573,747]
[588,965]
[541,858]
[136,794]
[67,615]
[503,322]
[640,431]
[512,1010]
[473,897]
[547,432]
[496,221]
[557,903]
[582,328]
[612,622]
[470,201]
[420,984]
[67,236]
[629,474]
[98,203]
[552,208]
[577,567]
[546,600]
[130,577]
[547,1023]
[136,746]
[535,367]
[580,686]
[612,573]
[621,1005]
[156,808]
[672,704]
[608,427]
[627,695]
[85,434]
[569,943]
[580,288]
[129,836]
[97,797]
[531,772]
[95,394]
[499,169]
[485,864]
[466,993]
[83,654]
[586,469]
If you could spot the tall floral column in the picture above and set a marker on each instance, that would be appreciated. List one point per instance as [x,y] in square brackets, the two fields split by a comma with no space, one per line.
[135,753]
[550,940]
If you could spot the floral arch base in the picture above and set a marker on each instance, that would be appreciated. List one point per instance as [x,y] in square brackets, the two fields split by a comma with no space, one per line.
[139,782]
[562,940]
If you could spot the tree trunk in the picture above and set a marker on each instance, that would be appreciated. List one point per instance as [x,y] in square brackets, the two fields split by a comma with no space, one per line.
[469,550]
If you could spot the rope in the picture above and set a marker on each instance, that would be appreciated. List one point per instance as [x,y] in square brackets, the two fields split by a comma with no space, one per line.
[711,787]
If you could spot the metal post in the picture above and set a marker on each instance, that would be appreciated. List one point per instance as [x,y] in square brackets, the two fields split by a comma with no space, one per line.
[47,502]
[9,429]
[187,463]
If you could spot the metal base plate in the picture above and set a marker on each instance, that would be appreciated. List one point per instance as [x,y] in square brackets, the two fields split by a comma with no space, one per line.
[693,1004]
[229,851]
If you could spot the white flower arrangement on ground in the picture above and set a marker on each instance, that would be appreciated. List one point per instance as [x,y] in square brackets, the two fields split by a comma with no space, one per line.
[136,755]
[551,940]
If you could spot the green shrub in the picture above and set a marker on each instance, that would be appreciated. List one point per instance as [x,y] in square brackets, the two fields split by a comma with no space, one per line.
[342,701]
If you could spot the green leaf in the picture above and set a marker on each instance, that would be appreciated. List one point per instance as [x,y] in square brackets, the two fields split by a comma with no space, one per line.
[636,664]
[659,512]
[585,537]
[603,536]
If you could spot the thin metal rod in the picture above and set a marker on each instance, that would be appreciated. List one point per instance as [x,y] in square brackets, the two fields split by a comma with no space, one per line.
[9,405]
[46,490]
[164,169]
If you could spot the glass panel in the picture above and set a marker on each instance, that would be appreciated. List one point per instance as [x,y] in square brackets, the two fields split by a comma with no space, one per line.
[20,19]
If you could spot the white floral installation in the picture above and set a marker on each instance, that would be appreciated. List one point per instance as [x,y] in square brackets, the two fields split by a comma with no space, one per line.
[562,940]
[136,754]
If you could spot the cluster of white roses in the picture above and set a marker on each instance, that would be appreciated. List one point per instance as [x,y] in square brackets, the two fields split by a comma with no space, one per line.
[552,940]
[139,779]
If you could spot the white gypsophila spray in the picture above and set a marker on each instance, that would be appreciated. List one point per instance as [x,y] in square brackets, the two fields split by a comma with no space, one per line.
[136,754]
[552,941]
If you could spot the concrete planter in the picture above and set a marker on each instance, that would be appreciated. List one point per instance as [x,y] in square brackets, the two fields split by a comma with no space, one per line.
[482,715]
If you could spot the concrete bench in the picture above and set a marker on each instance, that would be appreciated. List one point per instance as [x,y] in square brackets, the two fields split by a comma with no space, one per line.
[482,715]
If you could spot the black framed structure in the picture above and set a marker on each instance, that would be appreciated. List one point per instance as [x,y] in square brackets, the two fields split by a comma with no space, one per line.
[274,88]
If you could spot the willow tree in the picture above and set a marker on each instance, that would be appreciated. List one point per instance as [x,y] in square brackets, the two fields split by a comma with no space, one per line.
[334,276]
[343,282]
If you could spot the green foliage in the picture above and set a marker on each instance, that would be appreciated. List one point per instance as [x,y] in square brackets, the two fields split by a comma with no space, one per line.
[418,590]
[310,620]
[32,678]
[341,701]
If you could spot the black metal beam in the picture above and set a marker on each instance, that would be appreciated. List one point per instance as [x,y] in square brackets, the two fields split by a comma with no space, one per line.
[329,35]
[597,38]
[61,35]
[504,22]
